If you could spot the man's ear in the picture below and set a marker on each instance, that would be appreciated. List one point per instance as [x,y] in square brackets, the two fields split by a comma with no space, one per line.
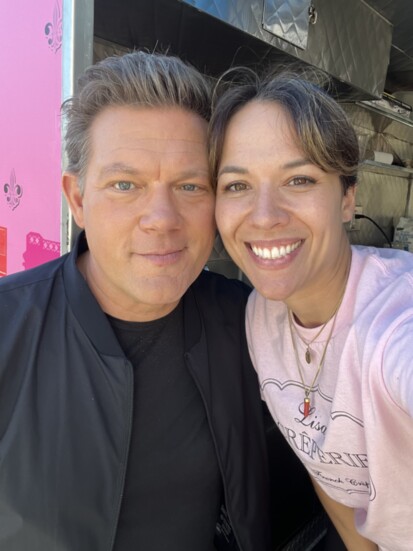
[74,197]
[348,204]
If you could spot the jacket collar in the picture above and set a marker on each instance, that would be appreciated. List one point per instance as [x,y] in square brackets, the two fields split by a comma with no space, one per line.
[93,320]
[196,346]
[84,305]
[192,319]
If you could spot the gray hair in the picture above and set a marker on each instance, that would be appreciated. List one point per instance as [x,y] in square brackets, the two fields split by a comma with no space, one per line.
[134,79]
[323,130]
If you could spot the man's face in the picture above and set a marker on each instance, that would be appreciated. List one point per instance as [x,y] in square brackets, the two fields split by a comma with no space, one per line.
[147,208]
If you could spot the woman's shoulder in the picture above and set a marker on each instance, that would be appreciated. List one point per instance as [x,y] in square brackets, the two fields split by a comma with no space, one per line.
[380,274]
[390,262]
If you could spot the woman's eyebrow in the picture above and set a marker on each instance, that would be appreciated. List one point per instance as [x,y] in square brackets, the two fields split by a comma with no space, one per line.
[297,163]
[232,169]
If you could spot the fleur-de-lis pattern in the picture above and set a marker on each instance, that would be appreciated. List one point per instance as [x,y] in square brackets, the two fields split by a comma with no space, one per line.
[53,29]
[13,191]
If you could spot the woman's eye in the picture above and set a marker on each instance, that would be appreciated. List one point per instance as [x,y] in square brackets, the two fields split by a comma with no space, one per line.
[301,181]
[236,186]
[124,186]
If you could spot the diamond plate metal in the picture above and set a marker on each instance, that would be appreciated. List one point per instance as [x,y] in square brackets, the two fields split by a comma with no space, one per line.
[287,19]
[350,40]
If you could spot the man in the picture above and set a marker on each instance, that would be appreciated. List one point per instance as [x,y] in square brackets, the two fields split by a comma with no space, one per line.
[129,414]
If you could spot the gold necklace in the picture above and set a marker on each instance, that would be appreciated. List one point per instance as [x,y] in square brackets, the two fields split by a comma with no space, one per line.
[309,343]
[309,389]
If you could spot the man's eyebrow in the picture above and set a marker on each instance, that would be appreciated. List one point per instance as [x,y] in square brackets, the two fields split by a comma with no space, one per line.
[122,168]
[116,168]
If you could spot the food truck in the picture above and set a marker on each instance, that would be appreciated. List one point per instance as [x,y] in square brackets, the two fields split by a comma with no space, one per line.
[365,46]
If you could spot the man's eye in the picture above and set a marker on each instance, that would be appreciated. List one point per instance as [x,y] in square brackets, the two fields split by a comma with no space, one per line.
[123,186]
[190,187]
[301,181]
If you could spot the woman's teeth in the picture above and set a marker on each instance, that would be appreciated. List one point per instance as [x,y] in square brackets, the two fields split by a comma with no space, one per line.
[275,252]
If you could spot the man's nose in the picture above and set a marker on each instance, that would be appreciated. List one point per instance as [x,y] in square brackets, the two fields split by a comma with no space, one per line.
[161,211]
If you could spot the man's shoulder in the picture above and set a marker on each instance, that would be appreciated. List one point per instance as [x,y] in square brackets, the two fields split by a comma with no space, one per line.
[35,277]
[213,285]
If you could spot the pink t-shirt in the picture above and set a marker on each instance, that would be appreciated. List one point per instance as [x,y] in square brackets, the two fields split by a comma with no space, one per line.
[357,441]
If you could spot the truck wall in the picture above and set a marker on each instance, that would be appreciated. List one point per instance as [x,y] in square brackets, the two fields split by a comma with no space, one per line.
[30,159]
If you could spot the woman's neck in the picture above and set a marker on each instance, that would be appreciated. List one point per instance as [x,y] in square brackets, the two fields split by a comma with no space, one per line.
[316,309]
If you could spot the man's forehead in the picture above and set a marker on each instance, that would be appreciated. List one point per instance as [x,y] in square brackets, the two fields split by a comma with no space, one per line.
[148,130]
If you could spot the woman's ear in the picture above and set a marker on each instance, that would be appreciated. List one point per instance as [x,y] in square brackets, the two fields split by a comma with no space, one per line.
[348,204]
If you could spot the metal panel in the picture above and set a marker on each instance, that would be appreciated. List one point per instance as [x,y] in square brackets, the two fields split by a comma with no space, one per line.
[409,211]
[383,191]
[378,131]
[288,19]
[383,199]
[400,13]
[77,54]
[357,54]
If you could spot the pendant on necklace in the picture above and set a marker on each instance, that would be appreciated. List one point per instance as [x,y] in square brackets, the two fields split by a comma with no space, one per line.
[306,407]
[308,355]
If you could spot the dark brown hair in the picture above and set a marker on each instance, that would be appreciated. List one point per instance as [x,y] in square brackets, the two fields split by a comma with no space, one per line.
[323,130]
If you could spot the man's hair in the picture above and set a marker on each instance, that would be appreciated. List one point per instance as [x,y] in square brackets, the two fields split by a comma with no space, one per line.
[134,79]
[323,130]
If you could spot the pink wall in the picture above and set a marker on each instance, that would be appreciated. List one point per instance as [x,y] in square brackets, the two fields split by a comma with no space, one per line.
[30,158]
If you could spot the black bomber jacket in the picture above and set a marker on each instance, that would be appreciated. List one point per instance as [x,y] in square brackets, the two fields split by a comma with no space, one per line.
[66,396]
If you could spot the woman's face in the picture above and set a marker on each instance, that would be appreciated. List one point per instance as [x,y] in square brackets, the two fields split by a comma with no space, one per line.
[280,216]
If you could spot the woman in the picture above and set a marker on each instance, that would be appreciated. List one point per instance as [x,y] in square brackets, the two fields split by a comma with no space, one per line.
[329,325]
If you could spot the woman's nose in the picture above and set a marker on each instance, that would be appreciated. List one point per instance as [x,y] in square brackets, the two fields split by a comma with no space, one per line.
[269,208]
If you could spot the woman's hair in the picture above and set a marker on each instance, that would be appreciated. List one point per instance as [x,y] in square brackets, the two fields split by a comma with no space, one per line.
[134,79]
[323,130]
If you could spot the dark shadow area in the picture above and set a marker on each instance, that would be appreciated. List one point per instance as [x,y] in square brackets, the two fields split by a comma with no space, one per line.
[299,522]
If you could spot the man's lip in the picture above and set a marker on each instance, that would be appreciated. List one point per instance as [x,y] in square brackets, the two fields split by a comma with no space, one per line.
[161,253]
[162,258]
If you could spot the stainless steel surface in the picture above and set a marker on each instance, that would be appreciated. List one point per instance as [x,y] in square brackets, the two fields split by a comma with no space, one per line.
[400,14]
[381,131]
[77,54]
[365,43]
[288,19]
[358,32]
[383,199]
[383,190]
[386,170]
[409,211]
[349,40]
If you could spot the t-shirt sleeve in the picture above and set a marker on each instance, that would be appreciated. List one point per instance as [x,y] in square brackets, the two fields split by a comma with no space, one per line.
[398,365]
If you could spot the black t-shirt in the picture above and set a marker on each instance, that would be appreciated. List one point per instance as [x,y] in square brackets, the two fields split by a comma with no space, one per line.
[173,487]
